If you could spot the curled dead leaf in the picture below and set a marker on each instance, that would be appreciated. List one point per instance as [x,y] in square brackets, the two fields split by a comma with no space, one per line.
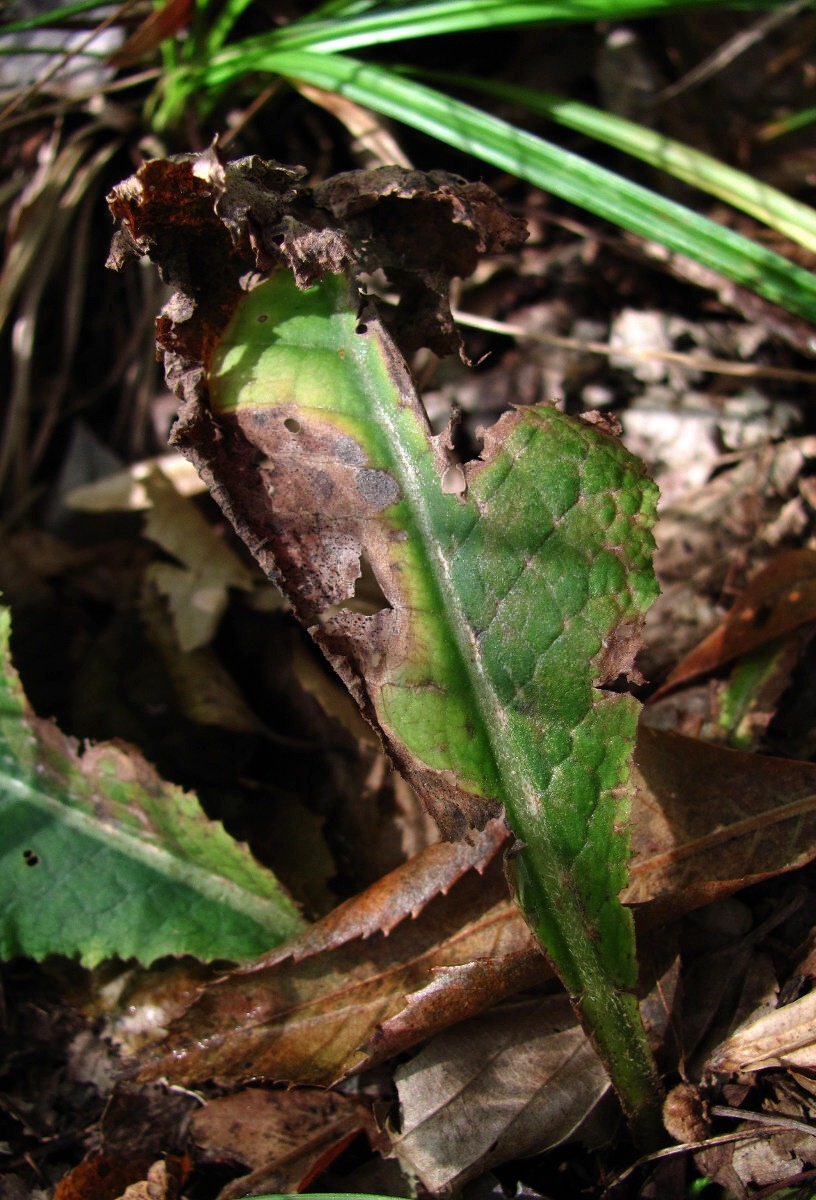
[785,1037]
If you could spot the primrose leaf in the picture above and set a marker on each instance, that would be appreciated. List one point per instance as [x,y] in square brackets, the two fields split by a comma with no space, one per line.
[503,606]
[512,598]
[102,858]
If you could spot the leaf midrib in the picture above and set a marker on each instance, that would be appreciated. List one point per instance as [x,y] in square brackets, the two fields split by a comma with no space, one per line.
[173,870]
[513,775]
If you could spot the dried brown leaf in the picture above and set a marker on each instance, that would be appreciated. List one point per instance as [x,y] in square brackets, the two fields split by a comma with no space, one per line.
[764,1158]
[706,545]
[777,600]
[305,1015]
[785,1037]
[457,992]
[170,18]
[197,589]
[403,893]
[102,1177]
[527,1069]
[421,228]
[283,1138]
[343,995]
[708,821]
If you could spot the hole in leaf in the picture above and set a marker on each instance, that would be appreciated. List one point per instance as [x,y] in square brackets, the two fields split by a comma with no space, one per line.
[453,481]
[368,597]
[292,425]
[31,859]
[260,458]
[466,445]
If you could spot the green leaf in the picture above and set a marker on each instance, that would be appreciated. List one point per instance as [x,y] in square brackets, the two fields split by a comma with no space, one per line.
[507,608]
[102,858]
[391,23]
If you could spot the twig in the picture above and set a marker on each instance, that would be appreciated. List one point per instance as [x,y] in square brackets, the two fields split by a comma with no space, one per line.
[60,60]
[706,1143]
[732,49]
[692,362]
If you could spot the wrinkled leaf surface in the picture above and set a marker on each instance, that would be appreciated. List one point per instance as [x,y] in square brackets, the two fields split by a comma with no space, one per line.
[513,592]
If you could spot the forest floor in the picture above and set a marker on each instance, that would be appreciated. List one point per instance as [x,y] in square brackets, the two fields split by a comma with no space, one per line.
[139,619]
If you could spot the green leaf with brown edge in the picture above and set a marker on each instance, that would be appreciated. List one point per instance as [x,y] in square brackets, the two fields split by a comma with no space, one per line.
[102,858]
[513,595]
[506,607]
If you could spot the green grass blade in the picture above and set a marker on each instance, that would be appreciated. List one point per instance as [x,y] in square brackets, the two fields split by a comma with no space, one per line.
[400,23]
[51,19]
[332,9]
[789,124]
[561,172]
[767,204]
[228,14]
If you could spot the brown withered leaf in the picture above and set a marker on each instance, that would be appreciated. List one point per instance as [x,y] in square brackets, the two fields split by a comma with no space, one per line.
[305,1014]
[284,1138]
[102,1177]
[730,979]
[208,223]
[422,229]
[763,1158]
[735,519]
[706,822]
[778,599]
[404,892]
[529,1071]
[457,992]
[785,1037]
[172,17]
